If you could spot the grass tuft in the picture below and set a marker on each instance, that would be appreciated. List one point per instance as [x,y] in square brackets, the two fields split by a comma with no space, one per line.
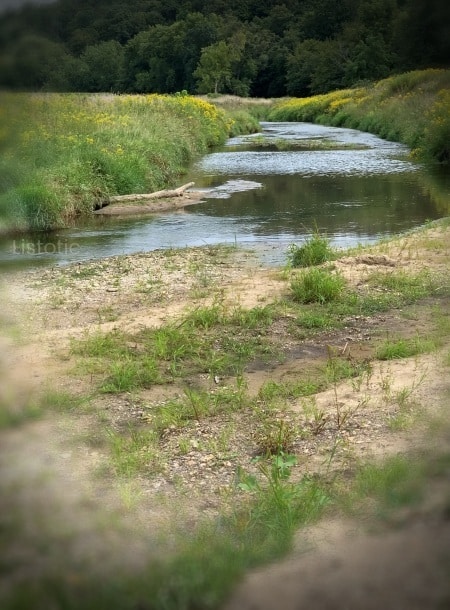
[315,251]
[317,286]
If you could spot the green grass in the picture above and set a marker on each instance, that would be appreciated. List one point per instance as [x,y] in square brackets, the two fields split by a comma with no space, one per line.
[134,452]
[273,390]
[196,404]
[317,320]
[339,368]
[65,153]
[413,108]
[395,483]
[315,251]
[393,349]
[210,340]
[317,286]
[131,373]
[384,292]
[409,287]
[15,413]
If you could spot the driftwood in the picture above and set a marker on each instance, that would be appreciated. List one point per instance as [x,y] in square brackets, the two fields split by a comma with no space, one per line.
[152,203]
[156,195]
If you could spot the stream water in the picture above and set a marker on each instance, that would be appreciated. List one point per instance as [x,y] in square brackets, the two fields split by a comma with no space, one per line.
[265,192]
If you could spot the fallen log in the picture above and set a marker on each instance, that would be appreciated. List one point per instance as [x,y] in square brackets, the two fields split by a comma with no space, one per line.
[153,205]
[178,192]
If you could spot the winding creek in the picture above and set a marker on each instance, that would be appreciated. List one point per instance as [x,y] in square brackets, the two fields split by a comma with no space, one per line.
[265,192]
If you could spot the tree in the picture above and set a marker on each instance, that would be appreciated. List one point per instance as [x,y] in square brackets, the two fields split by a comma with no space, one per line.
[154,60]
[164,57]
[214,68]
[30,62]
[104,64]
[369,58]
[301,65]
[422,34]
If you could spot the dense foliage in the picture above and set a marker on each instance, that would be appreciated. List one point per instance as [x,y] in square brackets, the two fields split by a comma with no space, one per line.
[257,48]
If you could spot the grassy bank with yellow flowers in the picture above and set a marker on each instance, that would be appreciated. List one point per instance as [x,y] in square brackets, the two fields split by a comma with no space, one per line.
[62,153]
[413,108]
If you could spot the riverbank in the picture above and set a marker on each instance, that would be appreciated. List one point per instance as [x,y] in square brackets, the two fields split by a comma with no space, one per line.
[412,108]
[138,391]
[66,153]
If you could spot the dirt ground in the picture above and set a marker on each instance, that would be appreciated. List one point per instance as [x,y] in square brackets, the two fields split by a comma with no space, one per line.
[59,496]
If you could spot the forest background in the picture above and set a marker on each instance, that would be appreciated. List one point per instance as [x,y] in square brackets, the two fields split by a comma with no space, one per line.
[255,48]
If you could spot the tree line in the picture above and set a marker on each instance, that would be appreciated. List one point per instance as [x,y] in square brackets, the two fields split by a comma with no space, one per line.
[258,48]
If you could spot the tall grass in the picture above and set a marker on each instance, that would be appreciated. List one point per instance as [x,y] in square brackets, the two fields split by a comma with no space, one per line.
[413,108]
[62,153]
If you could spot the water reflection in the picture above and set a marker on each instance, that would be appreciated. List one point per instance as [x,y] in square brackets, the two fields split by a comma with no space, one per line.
[365,206]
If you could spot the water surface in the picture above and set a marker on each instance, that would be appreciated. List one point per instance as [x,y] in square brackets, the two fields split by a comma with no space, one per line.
[264,192]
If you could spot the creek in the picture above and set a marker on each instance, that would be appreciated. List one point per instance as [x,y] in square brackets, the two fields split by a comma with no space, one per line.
[264,192]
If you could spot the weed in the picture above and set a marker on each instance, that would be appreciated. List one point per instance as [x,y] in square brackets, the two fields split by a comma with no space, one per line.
[336,370]
[79,272]
[339,368]
[130,494]
[394,483]
[315,251]
[281,506]
[275,435]
[107,314]
[221,443]
[317,286]
[196,401]
[134,452]
[184,445]
[316,418]
[393,349]
[366,376]
[196,405]
[405,414]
